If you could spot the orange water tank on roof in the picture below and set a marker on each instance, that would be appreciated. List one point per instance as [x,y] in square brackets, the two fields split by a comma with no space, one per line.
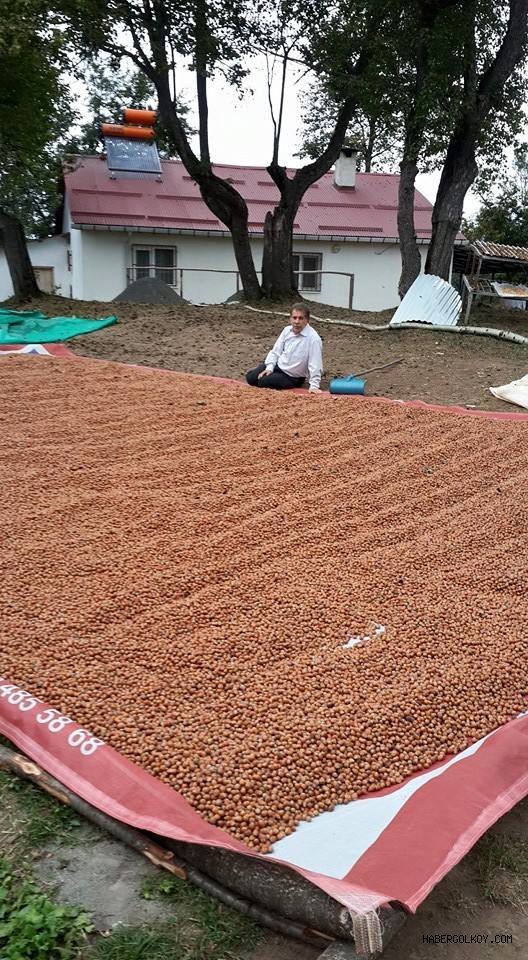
[131,133]
[144,118]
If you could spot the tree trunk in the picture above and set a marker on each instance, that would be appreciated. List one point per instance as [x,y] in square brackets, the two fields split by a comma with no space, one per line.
[459,172]
[13,240]
[222,199]
[244,257]
[410,255]
[428,12]
[460,167]
[277,266]
[227,204]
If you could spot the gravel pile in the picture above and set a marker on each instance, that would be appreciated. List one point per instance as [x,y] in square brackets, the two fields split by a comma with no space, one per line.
[149,290]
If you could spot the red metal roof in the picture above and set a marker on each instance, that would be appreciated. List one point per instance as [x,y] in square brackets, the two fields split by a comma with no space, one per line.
[174,202]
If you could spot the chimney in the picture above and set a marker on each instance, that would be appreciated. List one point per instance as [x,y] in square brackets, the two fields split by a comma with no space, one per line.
[345,168]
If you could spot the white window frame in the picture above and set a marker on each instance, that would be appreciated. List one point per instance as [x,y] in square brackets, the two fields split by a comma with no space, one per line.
[299,274]
[151,267]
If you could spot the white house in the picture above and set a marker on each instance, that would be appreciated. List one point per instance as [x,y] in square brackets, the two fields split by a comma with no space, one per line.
[119,226]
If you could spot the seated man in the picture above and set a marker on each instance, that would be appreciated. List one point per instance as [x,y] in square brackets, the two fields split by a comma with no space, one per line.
[297,353]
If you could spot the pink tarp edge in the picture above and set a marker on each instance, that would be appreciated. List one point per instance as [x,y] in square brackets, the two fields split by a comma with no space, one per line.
[471,796]
[38,349]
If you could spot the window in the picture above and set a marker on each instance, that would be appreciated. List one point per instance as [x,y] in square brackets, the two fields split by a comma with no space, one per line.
[305,269]
[159,262]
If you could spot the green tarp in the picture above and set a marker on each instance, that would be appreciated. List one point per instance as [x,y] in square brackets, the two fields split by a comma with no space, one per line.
[31,326]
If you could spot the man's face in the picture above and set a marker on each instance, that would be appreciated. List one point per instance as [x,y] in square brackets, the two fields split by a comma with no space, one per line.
[298,321]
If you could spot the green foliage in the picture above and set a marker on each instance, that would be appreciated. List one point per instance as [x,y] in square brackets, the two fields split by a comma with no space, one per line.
[392,90]
[109,88]
[32,927]
[207,929]
[159,32]
[503,217]
[375,135]
[139,943]
[35,109]
[159,886]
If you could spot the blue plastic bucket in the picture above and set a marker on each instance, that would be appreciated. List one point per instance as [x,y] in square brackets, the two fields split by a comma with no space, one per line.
[347,385]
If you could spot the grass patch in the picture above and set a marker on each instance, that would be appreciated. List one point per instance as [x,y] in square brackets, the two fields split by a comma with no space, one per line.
[502,864]
[40,818]
[32,927]
[173,941]
[138,943]
[211,930]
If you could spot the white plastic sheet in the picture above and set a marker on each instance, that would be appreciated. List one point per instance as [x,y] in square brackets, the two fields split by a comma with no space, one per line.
[514,392]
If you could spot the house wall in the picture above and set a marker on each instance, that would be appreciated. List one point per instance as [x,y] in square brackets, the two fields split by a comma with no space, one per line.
[203,254]
[51,252]
[376,268]
[104,257]
[66,216]
[76,247]
[100,262]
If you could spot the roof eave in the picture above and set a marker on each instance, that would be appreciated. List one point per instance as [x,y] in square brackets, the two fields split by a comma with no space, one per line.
[192,231]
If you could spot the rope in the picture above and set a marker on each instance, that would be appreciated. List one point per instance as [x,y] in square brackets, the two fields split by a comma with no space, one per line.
[367,934]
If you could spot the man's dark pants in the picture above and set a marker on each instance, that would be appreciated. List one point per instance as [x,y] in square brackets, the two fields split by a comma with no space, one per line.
[278,380]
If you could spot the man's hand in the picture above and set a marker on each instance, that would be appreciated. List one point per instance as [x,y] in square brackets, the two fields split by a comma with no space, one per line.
[315,390]
[265,373]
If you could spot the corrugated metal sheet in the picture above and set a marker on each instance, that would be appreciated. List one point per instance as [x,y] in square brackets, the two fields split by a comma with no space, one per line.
[500,251]
[429,300]
[369,210]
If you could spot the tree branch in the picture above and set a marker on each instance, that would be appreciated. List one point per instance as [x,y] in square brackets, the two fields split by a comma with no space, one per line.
[281,109]
[269,82]
[508,55]
[201,82]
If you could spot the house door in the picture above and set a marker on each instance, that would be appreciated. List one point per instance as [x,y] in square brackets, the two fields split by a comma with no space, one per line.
[44,278]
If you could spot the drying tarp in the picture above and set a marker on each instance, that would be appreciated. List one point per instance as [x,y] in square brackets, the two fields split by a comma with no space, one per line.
[393,845]
[31,326]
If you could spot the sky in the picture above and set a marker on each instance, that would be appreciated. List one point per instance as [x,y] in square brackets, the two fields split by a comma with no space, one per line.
[241,130]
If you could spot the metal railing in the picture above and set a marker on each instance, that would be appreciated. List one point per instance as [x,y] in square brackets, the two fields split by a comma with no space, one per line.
[169,275]
[173,276]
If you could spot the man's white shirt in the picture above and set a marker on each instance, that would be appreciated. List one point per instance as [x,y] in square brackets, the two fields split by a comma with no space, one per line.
[298,354]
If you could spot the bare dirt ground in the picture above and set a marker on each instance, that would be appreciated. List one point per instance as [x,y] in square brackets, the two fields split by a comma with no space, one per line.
[226,341]
[487,894]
